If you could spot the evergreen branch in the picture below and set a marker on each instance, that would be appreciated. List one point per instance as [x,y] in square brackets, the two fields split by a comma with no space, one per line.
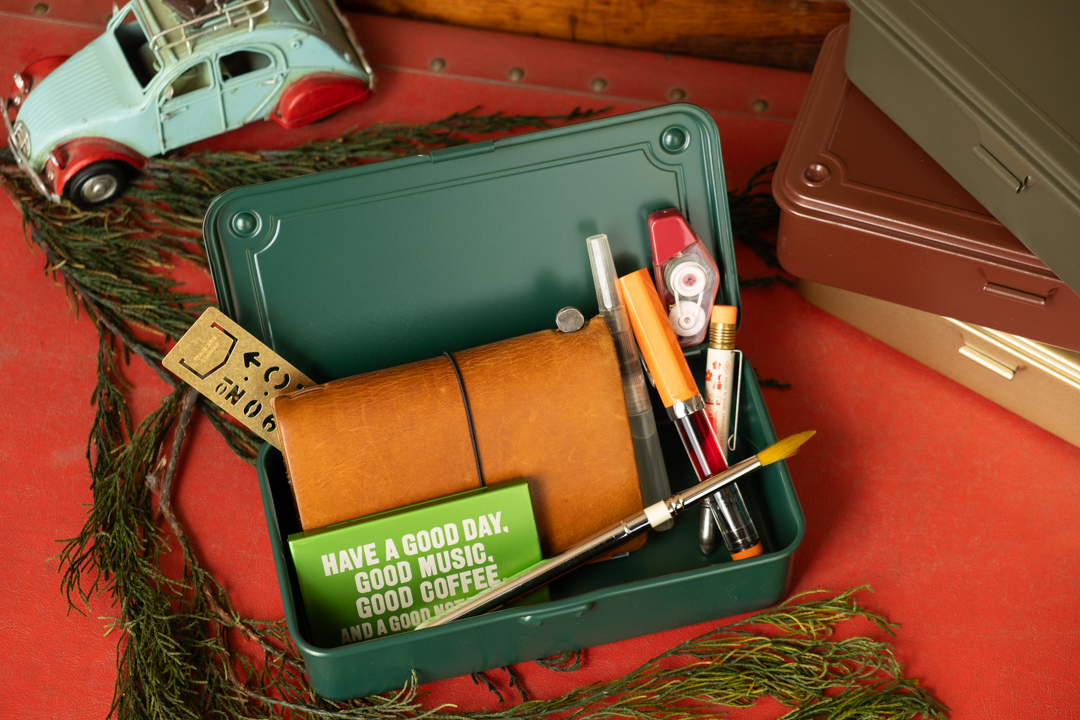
[731,666]
[480,677]
[565,662]
[753,213]
[765,281]
[112,324]
[191,395]
[771,382]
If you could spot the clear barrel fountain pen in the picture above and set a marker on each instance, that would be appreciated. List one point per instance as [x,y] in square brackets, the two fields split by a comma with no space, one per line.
[650,460]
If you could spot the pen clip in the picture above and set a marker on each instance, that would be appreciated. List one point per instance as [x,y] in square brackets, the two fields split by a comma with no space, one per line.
[734,439]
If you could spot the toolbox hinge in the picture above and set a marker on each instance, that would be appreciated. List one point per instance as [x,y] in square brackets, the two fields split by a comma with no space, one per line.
[453,153]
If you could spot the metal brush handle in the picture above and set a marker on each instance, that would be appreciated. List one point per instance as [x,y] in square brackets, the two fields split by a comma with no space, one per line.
[598,544]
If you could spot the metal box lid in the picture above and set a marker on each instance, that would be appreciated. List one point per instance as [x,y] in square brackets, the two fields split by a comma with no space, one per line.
[361,269]
[989,88]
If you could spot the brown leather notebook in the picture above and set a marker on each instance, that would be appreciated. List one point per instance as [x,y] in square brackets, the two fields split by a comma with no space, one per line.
[548,407]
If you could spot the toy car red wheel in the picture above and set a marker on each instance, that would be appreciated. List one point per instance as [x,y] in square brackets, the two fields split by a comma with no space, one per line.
[97,183]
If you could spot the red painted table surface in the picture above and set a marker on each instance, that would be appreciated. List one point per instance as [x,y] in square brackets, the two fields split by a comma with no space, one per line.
[962,516]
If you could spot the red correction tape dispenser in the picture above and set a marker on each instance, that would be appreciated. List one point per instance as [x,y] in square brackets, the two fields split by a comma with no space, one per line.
[686,275]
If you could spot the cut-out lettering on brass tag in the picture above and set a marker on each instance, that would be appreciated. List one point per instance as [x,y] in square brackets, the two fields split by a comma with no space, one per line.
[235,371]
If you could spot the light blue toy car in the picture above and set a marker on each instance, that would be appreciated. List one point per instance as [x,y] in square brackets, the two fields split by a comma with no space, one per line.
[169,72]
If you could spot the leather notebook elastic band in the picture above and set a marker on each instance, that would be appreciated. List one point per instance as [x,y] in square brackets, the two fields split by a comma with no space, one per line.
[468,417]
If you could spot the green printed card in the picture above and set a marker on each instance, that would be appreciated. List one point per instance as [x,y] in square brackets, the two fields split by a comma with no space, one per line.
[384,574]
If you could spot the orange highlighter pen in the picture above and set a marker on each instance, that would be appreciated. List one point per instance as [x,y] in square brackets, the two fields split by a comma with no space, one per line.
[686,408]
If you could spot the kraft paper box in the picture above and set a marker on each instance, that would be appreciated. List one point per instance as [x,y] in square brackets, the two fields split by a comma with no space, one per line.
[385,573]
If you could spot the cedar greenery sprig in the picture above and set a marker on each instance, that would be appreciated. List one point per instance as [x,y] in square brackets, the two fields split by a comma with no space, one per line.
[757,212]
[785,653]
[183,652]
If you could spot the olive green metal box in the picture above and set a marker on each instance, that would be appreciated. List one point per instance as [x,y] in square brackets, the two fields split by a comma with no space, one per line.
[371,267]
[990,90]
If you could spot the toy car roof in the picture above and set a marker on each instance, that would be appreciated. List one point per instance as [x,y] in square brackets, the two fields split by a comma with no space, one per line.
[173,30]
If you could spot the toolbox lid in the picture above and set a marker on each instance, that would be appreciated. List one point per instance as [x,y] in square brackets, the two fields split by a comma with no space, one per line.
[847,161]
[1011,67]
[355,270]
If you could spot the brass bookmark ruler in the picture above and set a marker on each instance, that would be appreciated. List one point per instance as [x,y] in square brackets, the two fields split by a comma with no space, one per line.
[228,365]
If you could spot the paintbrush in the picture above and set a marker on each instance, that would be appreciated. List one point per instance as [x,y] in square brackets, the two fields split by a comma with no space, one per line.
[612,537]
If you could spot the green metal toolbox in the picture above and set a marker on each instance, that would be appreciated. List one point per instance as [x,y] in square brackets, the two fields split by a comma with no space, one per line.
[990,89]
[371,267]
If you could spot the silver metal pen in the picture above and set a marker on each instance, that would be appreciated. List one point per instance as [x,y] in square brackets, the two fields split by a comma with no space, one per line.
[615,535]
[652,475]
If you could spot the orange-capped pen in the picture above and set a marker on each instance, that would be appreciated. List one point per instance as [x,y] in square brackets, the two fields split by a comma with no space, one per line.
[686,408]
[657,340]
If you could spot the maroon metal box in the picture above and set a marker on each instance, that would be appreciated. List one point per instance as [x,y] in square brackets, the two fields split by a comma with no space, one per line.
[865,209]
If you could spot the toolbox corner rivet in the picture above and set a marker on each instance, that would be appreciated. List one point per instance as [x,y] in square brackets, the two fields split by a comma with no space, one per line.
[245,223]
[598,84]
[816,174]
[515,74]
[675,139]
[40,9]
[676,95]
[437,64]
[759,105]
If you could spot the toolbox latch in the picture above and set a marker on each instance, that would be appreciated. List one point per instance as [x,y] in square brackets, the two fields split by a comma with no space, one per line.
[987,362]
[453,153]
[998,168]
[1014,294]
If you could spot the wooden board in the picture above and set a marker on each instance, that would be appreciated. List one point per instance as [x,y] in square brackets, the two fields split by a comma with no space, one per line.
[761,32]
